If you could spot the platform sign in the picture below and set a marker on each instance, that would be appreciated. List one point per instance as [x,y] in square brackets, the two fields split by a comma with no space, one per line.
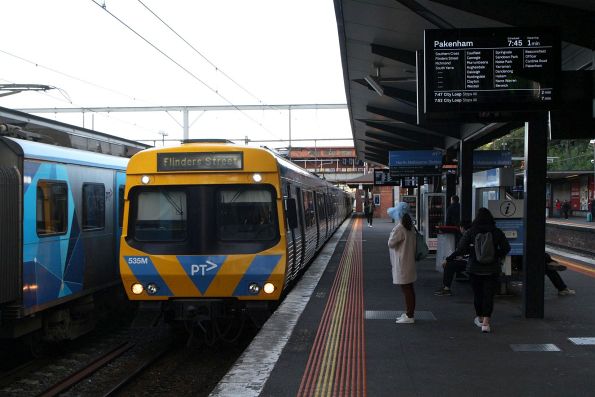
[415,163]
[506,209]
[383,178]
[513,230]
[508,215]
[490,70]
[487,159]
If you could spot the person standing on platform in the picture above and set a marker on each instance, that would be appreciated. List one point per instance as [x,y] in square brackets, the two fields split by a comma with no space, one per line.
[593,209]
[369,211]
[566,209]
[487,246]
[401,247]
[558,212]
[453,212]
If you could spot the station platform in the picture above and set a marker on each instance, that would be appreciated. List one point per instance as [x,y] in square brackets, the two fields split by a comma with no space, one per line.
[335,334]
[575,221]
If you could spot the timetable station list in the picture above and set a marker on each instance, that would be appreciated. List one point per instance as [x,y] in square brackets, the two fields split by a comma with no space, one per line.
[517,68]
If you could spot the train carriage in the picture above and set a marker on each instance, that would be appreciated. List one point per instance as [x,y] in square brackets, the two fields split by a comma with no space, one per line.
[212,222]
[59,233]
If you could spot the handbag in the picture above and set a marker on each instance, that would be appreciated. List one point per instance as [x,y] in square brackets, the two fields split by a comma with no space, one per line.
[421,248]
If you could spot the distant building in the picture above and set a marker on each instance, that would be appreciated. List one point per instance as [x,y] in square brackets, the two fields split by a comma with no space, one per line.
[335,164]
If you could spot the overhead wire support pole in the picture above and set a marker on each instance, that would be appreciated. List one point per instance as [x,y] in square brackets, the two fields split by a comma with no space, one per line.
[186,124]
[289,109]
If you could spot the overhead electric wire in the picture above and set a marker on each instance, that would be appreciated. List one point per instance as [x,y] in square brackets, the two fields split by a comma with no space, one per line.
[204,57]
[73,77]
[182,67]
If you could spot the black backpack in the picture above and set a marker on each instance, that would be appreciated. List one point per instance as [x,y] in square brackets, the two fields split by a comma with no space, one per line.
[485,251]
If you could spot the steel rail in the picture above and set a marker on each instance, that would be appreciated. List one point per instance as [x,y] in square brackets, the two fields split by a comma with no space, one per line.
[87,371]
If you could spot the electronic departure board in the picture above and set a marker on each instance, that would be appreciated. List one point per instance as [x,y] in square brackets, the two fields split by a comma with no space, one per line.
[490,70]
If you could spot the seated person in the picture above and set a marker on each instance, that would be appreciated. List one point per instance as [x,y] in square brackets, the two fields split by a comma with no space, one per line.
[551,271]
[457,265]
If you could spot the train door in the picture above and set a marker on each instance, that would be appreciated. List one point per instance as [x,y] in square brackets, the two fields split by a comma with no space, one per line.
[11,179]
[310,223]
[321,219]
[290,237]
[301,233]
[317,222]
[120,182]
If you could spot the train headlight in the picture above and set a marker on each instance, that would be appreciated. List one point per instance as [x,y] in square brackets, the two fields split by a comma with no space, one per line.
[254,288]
[137,288]
[152,288]
[257,178]
[268,288]
[145,179]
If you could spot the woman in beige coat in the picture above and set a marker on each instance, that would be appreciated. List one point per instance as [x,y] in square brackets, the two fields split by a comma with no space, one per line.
[401,247]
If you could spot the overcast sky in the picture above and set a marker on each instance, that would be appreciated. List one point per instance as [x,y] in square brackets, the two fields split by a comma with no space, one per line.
[279,51]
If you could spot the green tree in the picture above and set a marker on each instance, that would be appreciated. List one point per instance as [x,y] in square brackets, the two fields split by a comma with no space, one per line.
[566,155]
[570,155]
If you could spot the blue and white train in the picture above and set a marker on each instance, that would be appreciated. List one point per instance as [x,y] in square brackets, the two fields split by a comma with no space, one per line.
[60,224]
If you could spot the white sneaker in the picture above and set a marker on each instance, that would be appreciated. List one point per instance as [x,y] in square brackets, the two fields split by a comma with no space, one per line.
[477,322]
[369,225]
[486,329]
[405,320]
[567,291]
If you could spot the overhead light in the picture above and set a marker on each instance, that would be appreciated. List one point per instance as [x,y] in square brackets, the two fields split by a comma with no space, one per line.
[371,80]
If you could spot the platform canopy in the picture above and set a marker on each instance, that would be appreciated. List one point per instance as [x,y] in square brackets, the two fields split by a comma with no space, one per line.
[380,38]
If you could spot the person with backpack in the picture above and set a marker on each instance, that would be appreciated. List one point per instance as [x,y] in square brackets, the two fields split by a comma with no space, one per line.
[487,246]
[402,250]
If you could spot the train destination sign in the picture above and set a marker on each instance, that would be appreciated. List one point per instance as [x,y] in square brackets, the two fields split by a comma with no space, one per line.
[490,70]
[190,161]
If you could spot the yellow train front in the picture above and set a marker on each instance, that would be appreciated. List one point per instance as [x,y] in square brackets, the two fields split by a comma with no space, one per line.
[212,222]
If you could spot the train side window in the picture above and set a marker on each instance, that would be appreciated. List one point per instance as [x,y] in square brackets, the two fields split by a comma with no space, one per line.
[120,205]
[161,215]
[93,206]
[52,208]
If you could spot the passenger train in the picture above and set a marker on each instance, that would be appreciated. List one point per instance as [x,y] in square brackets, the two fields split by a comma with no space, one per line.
[210,226]
[59,236]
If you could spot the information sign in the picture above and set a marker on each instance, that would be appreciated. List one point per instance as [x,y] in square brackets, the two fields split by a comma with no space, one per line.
[488,159]
[383,178]
[415,162]
[490,70]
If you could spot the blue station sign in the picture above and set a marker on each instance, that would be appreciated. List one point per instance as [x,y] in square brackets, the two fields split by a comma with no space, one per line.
[487,159]
[415,162]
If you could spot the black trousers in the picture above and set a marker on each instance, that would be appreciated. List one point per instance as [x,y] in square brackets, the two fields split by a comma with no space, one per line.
[370,217]
[555,278]
[484,289]
[452,267]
